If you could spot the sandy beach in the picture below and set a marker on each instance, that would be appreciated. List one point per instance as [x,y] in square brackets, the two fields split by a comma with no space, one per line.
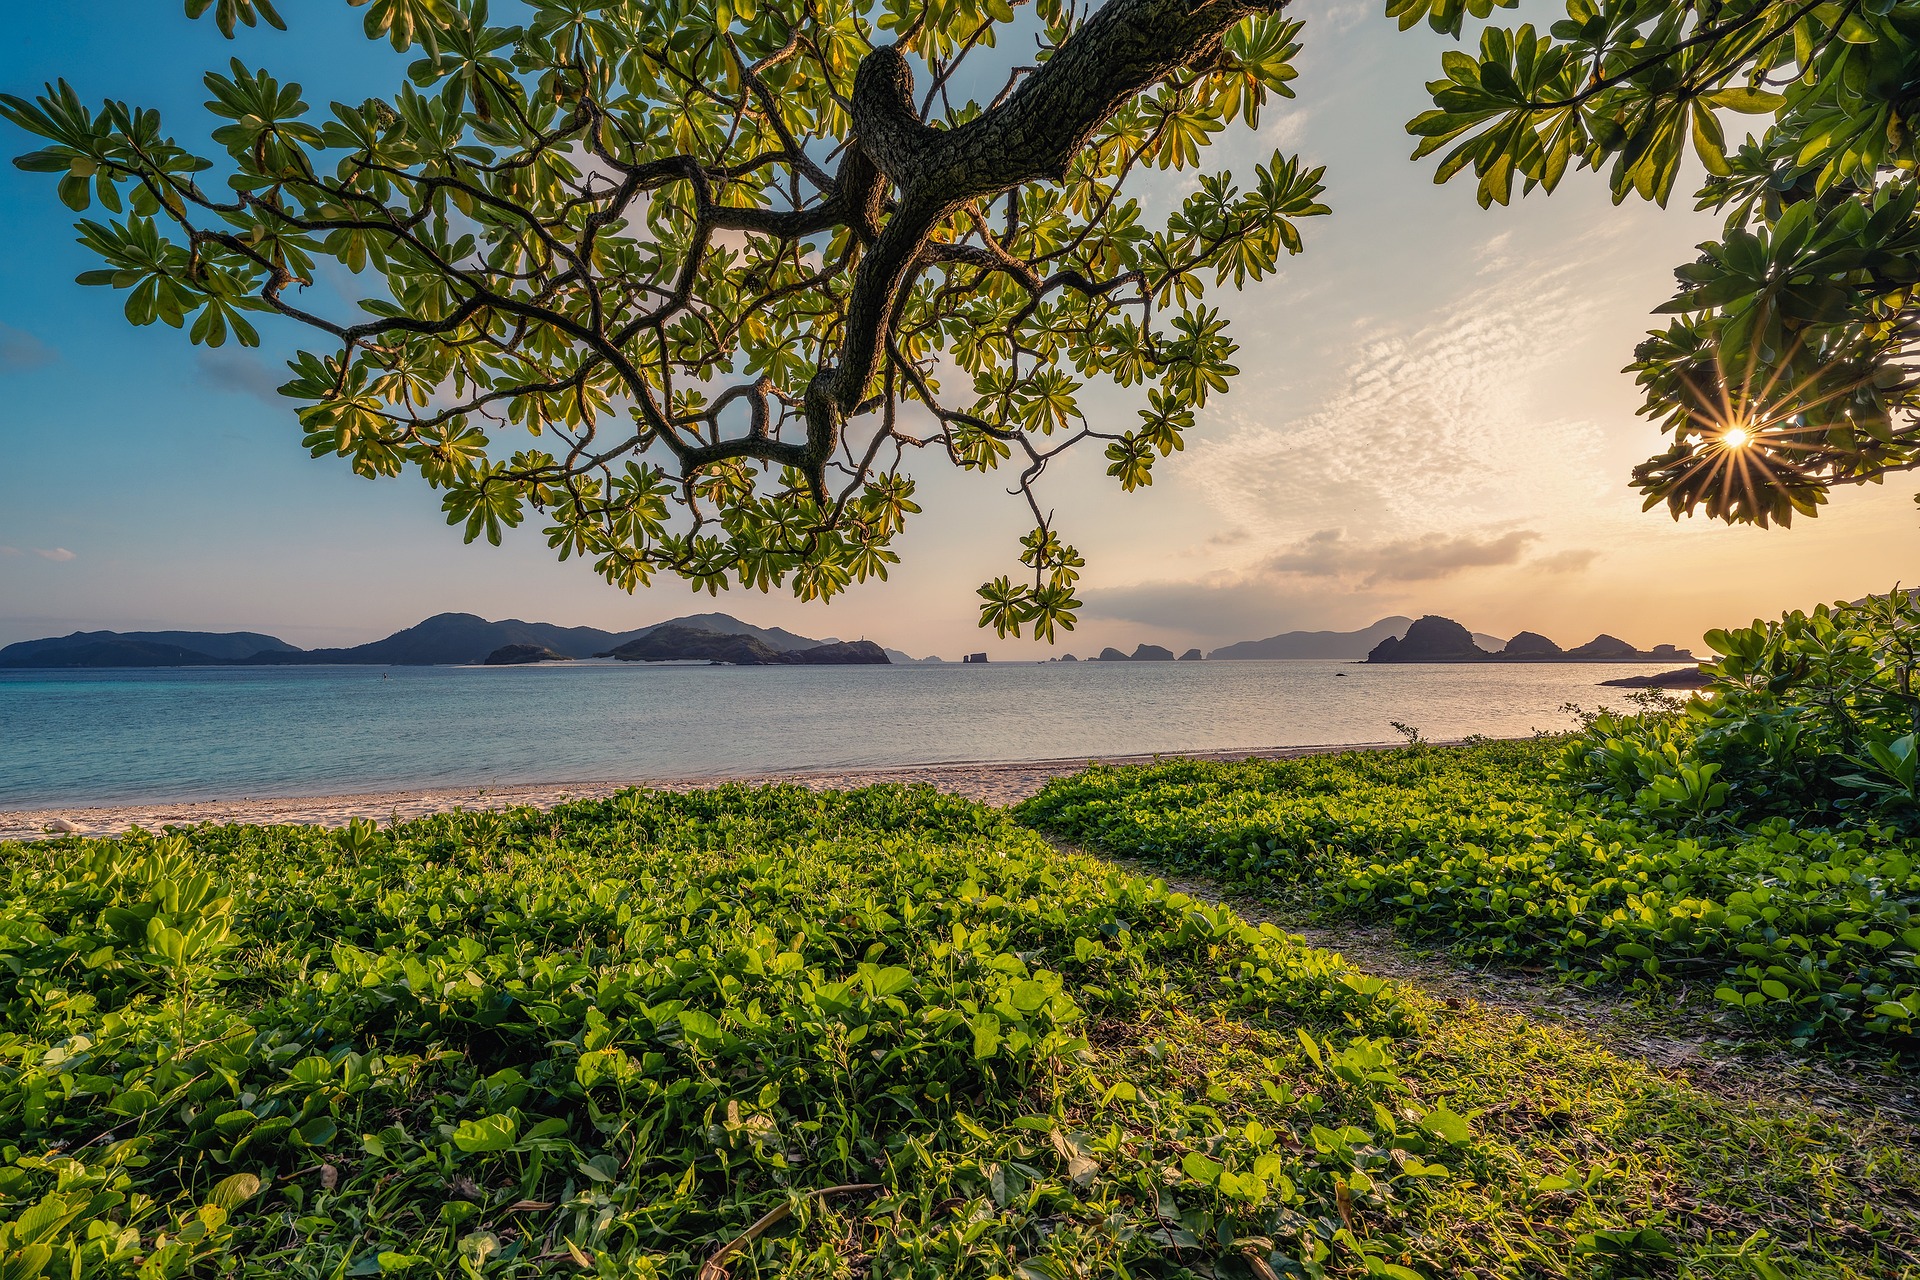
[999,783]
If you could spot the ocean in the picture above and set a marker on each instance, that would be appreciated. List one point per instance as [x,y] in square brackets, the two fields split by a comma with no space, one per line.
[116,737]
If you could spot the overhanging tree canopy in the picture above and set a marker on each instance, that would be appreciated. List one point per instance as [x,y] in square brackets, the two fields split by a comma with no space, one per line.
[728,263]
[731,263]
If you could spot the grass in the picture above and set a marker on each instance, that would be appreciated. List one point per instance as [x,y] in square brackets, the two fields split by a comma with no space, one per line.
[884,1033]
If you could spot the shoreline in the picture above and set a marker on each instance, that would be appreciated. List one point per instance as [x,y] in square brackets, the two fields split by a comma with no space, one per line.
[996,782]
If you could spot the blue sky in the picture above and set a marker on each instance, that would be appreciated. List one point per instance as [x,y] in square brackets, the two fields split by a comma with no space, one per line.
[1430,419]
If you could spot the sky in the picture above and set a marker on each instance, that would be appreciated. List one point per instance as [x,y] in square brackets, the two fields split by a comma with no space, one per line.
[1430,418]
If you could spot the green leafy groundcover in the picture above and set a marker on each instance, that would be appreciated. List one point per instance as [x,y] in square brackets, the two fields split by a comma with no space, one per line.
[873,1034]
[1814,931]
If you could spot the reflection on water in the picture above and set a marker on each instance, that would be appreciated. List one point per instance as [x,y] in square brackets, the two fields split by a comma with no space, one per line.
[113,736]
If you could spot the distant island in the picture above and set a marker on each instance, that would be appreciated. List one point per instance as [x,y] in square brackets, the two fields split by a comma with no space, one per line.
[1437,639]
[465,639]
[446,639]
[674,642]
[1141,653]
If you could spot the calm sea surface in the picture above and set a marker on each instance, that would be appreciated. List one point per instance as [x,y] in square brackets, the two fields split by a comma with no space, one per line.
[104,737]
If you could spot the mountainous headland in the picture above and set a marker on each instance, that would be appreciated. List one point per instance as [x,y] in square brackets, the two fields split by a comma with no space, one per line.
[446,639]
[464,639]
[1437,639]
[1330,644]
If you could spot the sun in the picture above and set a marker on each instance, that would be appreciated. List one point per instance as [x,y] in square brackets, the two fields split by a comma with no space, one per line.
[1735,438]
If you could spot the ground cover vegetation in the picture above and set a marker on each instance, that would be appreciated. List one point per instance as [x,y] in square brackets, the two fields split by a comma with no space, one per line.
[737,268]
[1764,840]
[778,1033]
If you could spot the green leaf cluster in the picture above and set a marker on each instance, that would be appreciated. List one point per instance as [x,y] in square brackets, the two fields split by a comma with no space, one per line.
[649,237]
[1784,370]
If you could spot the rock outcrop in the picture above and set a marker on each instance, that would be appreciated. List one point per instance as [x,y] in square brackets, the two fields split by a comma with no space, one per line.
[1111,654]
[1436,639]
[1684,678]
[1605,648]
[514,655]
[1192,655]
[1430,639]
[838,653]
[1531,644]
[1151,653]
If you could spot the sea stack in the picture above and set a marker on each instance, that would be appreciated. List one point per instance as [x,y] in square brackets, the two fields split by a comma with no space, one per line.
[1531,644]
[1605,646]
[1431,639]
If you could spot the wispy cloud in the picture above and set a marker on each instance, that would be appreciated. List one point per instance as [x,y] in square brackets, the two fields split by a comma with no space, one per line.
[11,551]
[1447,423]
[60,554]
[1327,579]
[244,374]
[1576,560]
[20,350]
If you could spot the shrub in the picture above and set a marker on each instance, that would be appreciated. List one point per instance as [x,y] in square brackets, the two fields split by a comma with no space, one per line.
[1812,718]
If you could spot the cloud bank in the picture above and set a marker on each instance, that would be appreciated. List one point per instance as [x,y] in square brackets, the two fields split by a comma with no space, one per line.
[1330,553]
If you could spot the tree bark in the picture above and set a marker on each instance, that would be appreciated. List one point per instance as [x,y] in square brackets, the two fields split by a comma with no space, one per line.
[1123,49]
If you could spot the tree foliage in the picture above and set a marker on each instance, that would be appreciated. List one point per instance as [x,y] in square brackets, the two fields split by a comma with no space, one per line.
[1783,372]
[695,279]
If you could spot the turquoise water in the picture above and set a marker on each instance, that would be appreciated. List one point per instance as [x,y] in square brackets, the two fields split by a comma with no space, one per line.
[104,737]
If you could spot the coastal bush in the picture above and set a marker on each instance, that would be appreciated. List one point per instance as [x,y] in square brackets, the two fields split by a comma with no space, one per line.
[1812,717]
[884,1033]
[1505,854]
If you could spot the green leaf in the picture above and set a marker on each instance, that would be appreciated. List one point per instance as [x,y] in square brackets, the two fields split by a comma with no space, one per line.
[234,1190]
[1747,101]
[1202,1168]
[487,1133]
[1442,1123]
[986,1035]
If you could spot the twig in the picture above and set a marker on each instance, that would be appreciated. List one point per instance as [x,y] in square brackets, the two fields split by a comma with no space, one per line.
[714,1268]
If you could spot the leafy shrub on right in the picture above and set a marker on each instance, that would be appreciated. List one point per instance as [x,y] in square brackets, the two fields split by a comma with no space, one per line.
[1813,718]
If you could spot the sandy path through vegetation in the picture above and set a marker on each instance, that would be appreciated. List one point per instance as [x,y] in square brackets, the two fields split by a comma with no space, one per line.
[1682,1033]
